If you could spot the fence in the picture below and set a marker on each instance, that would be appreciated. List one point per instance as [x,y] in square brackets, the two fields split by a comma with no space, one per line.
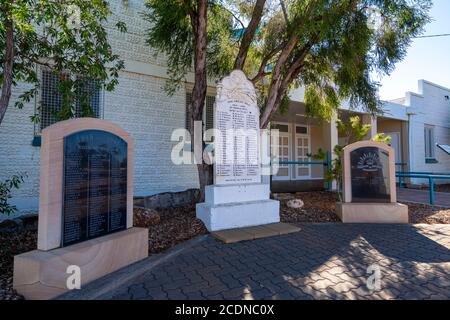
[326,164]
[423,175]
[430,176]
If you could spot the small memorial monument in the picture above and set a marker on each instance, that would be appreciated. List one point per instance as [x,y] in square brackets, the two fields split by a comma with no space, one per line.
[85,209]
[369,185]
[238,197]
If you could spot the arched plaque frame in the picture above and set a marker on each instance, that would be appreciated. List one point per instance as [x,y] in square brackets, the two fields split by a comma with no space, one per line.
[346,173]
[51,175]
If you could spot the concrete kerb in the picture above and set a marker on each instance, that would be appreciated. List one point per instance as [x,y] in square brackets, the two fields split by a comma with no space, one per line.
[104,287]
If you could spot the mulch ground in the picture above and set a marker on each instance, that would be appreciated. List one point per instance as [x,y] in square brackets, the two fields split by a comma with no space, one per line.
[170,226]
[318,207]
[175,225]
[11,244]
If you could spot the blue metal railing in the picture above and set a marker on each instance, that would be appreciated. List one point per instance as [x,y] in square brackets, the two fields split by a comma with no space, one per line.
[326,164]
[420,175]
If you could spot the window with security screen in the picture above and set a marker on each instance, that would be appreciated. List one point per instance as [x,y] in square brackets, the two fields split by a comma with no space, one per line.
[87,99]
[208,114]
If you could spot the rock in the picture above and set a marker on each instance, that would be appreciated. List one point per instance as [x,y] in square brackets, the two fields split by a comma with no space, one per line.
[295,204]
[168,199]
[144,217]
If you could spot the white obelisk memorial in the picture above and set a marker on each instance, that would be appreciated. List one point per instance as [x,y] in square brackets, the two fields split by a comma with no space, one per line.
[238,197]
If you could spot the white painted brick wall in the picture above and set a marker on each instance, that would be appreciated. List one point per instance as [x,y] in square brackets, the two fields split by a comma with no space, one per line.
[17,154]
[139,105]
[430,107]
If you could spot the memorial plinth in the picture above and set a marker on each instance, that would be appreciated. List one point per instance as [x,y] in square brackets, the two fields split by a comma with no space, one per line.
[238,206]
[42,275]
[238,198]
[85,208]
[369,185]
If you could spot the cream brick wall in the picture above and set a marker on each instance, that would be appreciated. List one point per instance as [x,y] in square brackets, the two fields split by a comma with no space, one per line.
[17,154]
[139,105]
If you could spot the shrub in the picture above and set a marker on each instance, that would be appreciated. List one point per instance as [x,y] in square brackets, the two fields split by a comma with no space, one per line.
[6,188]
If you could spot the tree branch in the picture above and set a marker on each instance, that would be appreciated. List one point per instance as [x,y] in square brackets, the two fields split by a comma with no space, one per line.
[275,83]
[261,71]
[283,8]
[295,67]
[249,34]
[277,92]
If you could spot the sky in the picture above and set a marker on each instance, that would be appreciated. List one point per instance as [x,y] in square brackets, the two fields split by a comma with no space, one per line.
[427,58]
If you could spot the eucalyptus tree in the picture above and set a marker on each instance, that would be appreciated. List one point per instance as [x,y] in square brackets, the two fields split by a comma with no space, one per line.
[330,47]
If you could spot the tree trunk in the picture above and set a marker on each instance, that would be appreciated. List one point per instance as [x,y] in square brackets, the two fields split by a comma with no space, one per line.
[199,22]
[7,69]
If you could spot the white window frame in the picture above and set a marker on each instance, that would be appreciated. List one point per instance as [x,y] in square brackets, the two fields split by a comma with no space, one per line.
[429,142]
[289,167]
[302,135]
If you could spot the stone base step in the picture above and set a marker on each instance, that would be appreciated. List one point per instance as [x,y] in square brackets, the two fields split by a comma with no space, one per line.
[372,212]
[238,214]
[42,275]
[252,233]
[217,195]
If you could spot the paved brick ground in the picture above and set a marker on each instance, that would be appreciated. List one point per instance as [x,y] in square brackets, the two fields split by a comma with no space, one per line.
[324,261]
[423,196]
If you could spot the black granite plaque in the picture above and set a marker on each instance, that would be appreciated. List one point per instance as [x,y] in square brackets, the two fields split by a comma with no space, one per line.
[370,175]
[95,185]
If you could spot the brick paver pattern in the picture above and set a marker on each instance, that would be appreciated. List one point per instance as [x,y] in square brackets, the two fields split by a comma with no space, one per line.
[323,261]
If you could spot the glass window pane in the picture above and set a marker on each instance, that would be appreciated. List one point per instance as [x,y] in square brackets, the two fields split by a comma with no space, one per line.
[301,130]
[281,127]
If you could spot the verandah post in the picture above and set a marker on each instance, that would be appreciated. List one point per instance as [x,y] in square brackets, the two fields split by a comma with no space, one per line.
[328,165]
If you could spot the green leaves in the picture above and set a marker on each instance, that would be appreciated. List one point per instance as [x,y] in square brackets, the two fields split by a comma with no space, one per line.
[342,48]
[381,137]
[353,130]
[61,36]
[6,188]
[171,33]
